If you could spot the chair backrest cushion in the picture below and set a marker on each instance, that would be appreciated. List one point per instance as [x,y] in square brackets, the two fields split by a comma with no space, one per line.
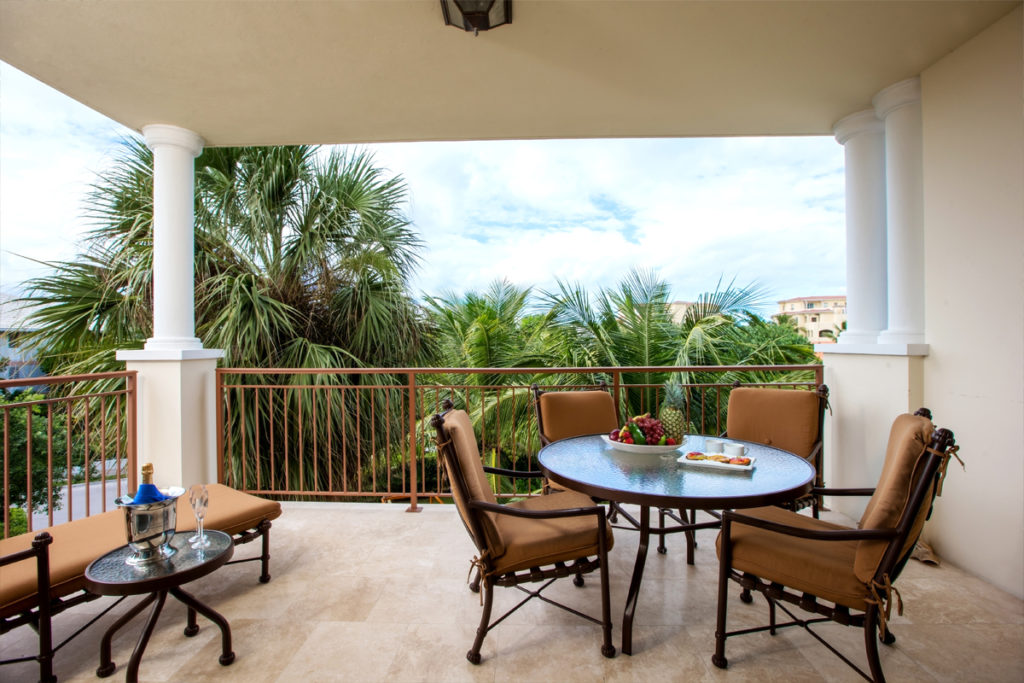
[477,487]
[781,418]
[565,414]
[904,461]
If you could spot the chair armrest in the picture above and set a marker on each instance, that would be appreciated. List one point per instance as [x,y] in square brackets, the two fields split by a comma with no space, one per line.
[842,492]
[815,534]
[537,514]
[531,474]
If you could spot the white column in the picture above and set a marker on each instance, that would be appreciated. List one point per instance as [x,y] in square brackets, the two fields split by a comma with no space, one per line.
[899,106]
[176,418]
[174,151]
[862,136]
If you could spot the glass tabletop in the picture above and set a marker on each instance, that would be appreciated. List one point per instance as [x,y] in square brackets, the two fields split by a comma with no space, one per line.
[588,464]
[112,575]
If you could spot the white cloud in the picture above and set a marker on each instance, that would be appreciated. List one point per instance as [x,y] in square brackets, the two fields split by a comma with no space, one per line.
[50,149]
[694,210]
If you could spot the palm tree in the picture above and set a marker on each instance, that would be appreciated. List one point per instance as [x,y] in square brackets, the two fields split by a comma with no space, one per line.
[492,329]
[302,259]
[632,325]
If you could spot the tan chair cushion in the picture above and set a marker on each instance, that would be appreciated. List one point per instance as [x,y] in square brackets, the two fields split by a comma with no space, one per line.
[79,542]
[75,545]
[460,431]
[534,543]
[908,438]
[782,418]
[566,414]
[229,510]
[821,568]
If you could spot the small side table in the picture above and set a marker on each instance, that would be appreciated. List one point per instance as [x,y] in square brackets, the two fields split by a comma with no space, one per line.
[111,575]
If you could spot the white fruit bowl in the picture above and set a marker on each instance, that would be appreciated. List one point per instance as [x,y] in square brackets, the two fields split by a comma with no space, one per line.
[638,448]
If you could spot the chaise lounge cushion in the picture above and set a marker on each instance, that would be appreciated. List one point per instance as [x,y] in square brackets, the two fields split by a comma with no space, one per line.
[229,511]
[79,542]
[75,545]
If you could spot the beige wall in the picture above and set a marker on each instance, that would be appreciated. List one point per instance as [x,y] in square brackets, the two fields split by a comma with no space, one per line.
[866,393]
[974,220]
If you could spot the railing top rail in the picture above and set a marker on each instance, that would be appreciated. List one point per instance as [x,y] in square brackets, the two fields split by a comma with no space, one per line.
[516,371]
[65,379]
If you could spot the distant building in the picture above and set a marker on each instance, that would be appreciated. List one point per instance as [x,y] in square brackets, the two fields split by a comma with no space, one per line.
[21,360]
[678,310]
[819,318]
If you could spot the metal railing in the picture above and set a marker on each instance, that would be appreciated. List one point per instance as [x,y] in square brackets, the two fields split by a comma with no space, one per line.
[69,446]
[364,433]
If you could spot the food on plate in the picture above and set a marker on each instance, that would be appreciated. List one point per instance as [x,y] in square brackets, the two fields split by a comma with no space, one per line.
[719,458]
[643,430]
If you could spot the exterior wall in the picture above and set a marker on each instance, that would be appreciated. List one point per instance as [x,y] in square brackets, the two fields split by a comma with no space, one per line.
[866,393]
[974,248]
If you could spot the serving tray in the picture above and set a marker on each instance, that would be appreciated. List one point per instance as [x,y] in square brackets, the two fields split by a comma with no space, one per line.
[714,465]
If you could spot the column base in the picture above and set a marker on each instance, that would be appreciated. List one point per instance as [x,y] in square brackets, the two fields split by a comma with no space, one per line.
[859,337]
[171,343]
[901,337]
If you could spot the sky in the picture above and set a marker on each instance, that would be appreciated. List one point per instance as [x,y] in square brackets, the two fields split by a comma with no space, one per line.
[764,211]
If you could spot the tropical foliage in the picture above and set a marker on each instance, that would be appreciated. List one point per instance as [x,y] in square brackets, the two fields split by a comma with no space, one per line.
[630,325]
[302,260]
[27,413]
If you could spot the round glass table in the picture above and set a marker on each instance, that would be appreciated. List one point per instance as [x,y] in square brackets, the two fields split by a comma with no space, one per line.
[589,465]
[112,575]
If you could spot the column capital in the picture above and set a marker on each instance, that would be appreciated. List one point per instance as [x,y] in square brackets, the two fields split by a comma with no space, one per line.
[857,123]
[159,134]
[897,95]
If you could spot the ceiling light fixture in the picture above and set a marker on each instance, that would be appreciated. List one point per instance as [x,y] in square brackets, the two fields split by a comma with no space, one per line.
[476,15]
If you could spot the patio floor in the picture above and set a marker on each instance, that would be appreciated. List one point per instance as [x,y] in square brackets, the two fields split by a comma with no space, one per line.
[367,592]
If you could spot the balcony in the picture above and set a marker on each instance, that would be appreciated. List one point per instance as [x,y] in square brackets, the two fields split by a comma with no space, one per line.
[368,591]
[364,591]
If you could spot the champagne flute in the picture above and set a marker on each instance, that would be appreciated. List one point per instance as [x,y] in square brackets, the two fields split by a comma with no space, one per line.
[199,498]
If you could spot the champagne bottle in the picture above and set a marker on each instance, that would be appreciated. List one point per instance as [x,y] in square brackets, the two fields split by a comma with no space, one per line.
[148,492]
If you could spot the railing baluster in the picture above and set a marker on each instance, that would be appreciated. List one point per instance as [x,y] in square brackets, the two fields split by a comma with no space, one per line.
[49,464]
[28,466]
[7,471]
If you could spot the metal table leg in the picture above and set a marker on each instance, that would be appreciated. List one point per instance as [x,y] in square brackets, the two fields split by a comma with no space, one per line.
[107,666]
[227,656]
[634,584]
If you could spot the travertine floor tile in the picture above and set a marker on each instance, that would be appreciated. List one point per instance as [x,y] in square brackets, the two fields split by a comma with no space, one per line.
[365,592]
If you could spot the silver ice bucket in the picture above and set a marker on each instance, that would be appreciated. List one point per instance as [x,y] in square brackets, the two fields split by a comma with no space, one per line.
[150,527]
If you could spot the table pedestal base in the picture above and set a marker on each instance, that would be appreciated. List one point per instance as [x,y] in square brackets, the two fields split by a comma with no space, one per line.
[107,666]
[644,525]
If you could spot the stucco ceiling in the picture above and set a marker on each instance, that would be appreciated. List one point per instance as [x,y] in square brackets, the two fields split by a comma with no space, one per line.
[303,71]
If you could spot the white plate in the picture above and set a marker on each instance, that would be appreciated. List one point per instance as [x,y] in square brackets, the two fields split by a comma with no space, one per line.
[638,448]
[711,464]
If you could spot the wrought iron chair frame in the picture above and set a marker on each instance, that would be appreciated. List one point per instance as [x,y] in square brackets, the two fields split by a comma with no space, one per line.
[941,446]
[547,574]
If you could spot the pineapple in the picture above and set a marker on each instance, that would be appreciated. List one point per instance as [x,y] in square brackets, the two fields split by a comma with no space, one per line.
[673,411]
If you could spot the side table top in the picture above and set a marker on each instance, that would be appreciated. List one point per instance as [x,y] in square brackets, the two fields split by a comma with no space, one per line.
[112,575]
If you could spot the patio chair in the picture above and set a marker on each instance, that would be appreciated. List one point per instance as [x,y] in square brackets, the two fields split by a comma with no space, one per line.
[565,414]
[537,539]
[782,418]
[844,574]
